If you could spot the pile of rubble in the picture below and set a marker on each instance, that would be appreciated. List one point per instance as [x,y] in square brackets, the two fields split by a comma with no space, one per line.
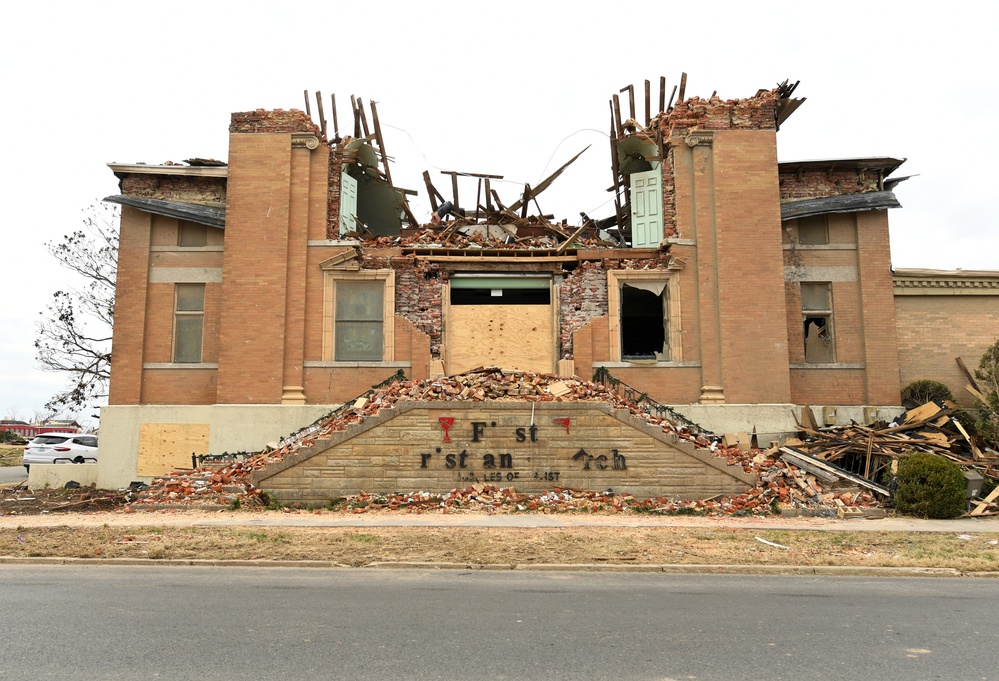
[783,485]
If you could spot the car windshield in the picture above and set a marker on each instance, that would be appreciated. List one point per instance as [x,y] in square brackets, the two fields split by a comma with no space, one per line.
[49,440]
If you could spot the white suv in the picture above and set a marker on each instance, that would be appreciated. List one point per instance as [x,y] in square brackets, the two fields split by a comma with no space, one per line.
[60,448]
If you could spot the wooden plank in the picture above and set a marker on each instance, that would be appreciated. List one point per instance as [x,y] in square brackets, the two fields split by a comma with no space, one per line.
[976,393]
[308,109]
[648,103]
[322,116]
[671,95]
[432,191]
[357,117]
[968,374]
[631,100]
[381,143]
[619,128]
[974,450]
[836,470]
[662,94]
[364,118]
[806,466]
[683,87]
[545,183]
[808,419]
[983,504]
[922,413]
[336,126]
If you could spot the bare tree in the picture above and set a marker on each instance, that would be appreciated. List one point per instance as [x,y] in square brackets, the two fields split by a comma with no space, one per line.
[74,334]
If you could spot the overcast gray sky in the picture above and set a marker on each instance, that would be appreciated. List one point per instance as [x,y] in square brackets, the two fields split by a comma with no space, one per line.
[510,88]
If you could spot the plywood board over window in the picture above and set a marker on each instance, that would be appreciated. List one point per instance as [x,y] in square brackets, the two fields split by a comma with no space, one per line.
[506,321]
[164,447]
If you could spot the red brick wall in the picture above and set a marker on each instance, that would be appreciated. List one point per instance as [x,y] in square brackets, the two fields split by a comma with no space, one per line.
[187,189]
[933,330]
[130,307]
[255,270]
[814,184]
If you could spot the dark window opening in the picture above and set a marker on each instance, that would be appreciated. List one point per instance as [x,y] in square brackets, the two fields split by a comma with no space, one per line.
[507,296]
[817,314]
[643,326]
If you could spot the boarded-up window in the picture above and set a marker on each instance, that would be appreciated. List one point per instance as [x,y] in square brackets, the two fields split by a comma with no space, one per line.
[813,231]
[192,235]
[359,320]
[817,313]
[188,322]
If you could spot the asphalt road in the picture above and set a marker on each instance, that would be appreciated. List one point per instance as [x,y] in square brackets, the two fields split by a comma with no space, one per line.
[12,474]
[224,623]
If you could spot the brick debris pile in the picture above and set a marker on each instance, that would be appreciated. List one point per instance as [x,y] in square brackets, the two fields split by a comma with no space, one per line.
[226,484]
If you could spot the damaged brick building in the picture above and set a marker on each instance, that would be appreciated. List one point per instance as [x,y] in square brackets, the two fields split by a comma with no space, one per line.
[255,293]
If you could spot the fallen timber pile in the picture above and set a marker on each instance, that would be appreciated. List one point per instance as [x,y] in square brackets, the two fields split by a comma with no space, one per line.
[798,476]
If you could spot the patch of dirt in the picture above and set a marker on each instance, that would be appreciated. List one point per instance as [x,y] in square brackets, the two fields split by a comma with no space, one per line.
[19,500]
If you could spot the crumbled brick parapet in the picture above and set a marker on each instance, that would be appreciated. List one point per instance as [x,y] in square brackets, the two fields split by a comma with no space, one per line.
[273,120]
[185,189]
[758,112]
[820,183]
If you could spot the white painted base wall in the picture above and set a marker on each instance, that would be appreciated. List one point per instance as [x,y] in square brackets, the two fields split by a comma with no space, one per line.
[232,428]
[249,427]
[52,475]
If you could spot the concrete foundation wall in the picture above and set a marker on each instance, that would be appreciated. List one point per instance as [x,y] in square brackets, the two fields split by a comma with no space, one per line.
[772,421]
[232,428]
[58,474]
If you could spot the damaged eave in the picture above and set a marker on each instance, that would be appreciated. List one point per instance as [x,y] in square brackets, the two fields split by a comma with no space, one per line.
[120,169]
[846,203]
[192,212]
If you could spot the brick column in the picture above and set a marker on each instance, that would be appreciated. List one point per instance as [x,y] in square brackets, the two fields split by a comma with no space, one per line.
[128,339]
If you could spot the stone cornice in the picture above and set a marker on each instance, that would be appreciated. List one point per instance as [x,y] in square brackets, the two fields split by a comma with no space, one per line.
[945,283]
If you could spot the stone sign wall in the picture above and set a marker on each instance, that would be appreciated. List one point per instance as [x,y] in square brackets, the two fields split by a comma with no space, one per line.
[533,447]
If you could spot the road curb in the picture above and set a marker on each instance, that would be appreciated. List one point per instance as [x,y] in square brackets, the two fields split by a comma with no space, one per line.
[817,570]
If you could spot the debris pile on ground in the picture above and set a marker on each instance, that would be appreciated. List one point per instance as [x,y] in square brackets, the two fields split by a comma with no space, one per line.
[783,485]
[20,500]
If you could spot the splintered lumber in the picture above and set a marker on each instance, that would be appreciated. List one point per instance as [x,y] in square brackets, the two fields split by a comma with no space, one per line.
[807,466]
[833,469]
[984,503]
[545,183]
[967,373]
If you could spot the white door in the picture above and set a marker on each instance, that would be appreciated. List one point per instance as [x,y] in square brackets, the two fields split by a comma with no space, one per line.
[646,209]
[348,204]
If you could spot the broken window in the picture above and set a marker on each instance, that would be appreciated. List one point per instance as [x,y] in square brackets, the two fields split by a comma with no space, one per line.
[192,235]
[359,321]
[644,320]
[188,322]
[816,313]
[813,231]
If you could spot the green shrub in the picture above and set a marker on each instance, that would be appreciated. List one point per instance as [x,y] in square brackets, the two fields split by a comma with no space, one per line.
[988,410]
[930,486]
[921,392]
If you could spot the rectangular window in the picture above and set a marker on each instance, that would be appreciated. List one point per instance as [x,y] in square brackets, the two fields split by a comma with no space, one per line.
[813,231]
[192,235]
[188,322]
[817,317]
[644,315]
[359,321]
